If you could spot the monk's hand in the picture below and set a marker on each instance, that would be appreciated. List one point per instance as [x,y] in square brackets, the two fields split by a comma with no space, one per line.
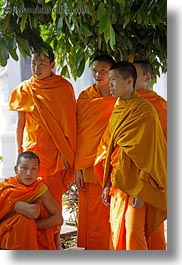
[105,196]
[79,180]
[32,211]
[137,203]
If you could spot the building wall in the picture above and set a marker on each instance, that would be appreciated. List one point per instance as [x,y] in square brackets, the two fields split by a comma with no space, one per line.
[10,76]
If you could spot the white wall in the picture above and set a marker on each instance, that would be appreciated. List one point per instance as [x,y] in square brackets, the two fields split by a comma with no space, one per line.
[10,76]
[161,86]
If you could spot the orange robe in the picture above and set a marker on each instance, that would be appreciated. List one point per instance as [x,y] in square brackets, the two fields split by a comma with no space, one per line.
[134,151]
[93,112]
[159,103]
[50,128]
[18,232]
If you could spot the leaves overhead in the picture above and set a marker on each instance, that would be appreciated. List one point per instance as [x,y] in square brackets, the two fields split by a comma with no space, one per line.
[77,31]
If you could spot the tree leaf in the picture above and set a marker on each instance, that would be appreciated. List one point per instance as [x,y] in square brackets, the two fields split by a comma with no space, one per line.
[65,72]
[85,30]
[112,37]
[100,11]
[107,30]
[23,44]
[23,22]
[139,17]
[81,67]
[104,19]
[4,54]
[13,54]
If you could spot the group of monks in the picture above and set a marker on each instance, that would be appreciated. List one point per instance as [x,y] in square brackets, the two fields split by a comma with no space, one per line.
[112,145]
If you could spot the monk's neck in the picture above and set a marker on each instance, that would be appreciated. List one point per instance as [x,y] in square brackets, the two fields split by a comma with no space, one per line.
[142,88]
[104,91]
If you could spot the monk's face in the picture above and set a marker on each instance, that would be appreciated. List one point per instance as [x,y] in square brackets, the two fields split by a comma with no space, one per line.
[27,171]
[41,67]
[142,79]
[120,87]
[100,73]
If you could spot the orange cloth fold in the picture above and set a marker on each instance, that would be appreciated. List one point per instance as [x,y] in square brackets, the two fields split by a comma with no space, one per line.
[50,129]
[159,103]
[18,231]
[93,216]
[93,113]
[128,225]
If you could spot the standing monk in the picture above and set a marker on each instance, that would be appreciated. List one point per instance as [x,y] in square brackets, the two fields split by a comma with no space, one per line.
[94,107]
[144,75]
[133,149]
[46,124]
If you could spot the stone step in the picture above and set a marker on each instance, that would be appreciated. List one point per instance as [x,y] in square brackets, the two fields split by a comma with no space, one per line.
[75,248]
[68,230]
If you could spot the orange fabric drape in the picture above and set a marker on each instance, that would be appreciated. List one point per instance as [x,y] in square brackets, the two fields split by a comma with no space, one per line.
[93,113]
[122,228]
[50,129]
[18,231]
[131,140]
[101,156]
[93,219]
[159,103]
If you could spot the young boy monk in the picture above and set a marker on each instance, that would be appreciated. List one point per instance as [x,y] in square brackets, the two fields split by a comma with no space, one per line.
[144,75]
[94,107]
[46,124]
[28,211]
[133,154]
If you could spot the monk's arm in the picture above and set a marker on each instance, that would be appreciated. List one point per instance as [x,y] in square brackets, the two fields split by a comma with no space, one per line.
[32,211]
[19,131]
[55,215]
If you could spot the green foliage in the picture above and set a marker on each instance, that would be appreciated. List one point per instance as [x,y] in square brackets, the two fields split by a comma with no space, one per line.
[19,28]
[78,31]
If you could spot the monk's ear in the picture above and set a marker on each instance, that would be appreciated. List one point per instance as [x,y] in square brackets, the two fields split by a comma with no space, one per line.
[129,81]
[52,64]
[147,77]
[16,169]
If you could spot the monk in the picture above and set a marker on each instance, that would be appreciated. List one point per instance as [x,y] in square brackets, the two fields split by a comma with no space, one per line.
[94,107]
[28,211]
[46,124]
[144,76]
[133,154]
